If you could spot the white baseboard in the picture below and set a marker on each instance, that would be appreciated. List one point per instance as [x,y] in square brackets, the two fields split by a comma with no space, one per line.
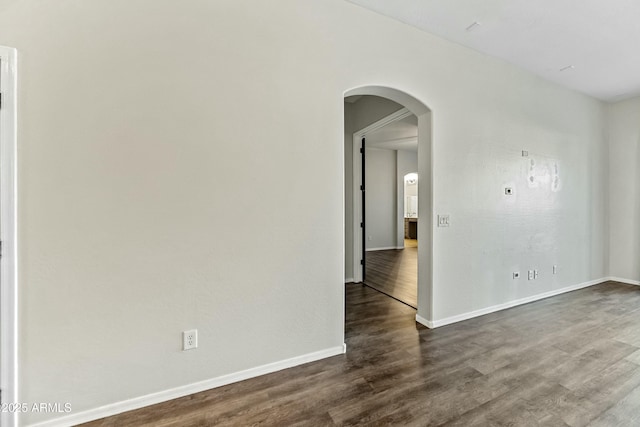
[348,280]
[425,322]
[384,248]
[621,280]
[477,313]
[174,393]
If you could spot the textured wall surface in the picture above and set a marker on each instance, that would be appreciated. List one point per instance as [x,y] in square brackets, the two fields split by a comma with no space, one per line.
[381,198]
[624,189]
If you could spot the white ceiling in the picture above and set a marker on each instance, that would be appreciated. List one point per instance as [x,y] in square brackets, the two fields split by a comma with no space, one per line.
[399,135]
[596,42]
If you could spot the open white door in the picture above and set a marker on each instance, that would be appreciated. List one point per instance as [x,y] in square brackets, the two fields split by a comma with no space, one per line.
[8,239]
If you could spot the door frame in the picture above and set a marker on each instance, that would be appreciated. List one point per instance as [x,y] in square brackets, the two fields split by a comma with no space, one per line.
[358,235]
[8,235]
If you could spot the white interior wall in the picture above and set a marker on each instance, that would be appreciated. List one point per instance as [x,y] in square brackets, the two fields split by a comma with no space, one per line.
[129,137]
[381,199]
[369,109]
[535,228]
[624,189]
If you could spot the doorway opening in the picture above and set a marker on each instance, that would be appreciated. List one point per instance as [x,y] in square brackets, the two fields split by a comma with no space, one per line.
[389,149]
[380,136]
[8,235]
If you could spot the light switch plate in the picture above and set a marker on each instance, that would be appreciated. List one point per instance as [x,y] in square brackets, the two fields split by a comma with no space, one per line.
[443,220]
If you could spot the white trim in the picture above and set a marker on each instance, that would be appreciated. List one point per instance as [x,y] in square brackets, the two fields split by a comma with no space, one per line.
[8,225]
[626,281]
[356,202]
[391,118]
[424,322]
[405,140]
[174,393]
[357,176]
[385,248]
[393,94]
[349,280]
[477,313]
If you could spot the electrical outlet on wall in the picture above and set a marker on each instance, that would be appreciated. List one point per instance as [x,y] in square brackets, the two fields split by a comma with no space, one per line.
[530,275]
[190,339]
[516,274]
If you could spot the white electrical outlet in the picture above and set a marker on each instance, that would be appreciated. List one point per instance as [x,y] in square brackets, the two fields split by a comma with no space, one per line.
[190,339]
[555,269]
[530,275]
[535,274]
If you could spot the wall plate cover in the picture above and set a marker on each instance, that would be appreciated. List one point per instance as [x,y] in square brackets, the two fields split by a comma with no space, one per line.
[190,339]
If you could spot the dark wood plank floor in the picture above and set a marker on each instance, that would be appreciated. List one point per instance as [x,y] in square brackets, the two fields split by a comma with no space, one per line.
[573,359]
[394,272]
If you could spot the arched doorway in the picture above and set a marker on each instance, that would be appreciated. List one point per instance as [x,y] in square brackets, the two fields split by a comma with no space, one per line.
[425,198]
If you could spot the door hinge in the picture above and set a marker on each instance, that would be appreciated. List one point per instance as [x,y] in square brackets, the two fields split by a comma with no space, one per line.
[361,262]
[362,188]
[0,100]
[362,151]
[362,225]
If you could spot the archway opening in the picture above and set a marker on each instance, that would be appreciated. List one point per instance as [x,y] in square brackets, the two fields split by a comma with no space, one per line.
[356,237]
